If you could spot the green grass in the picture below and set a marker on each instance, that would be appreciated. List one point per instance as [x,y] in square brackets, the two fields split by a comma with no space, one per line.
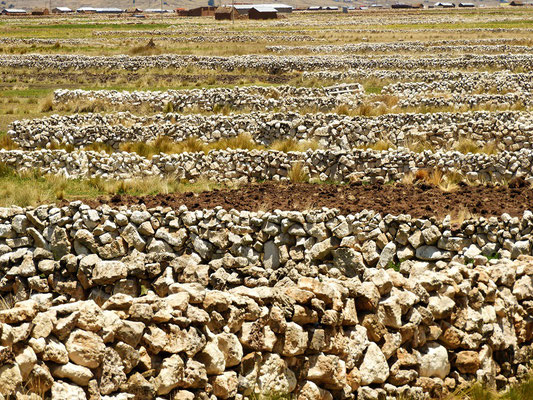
[373,89]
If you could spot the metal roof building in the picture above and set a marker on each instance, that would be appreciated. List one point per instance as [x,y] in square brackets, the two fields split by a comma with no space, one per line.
[14,11]
[244,9]
[263,11]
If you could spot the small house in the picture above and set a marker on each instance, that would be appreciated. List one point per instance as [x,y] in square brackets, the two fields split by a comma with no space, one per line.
[207,11]
[40,11]
[225,13]
[61,10]
[401,5]
[467,5]
[263,12]
[516,3]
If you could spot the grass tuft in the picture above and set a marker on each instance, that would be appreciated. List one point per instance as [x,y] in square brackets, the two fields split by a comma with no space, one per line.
[297,173]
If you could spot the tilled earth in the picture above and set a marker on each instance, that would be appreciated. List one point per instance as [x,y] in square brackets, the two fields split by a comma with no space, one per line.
[420,200]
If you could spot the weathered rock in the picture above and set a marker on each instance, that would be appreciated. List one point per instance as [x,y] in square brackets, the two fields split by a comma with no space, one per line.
[170,376]
[62,390]
[374,368]
[85,348]
[434,361]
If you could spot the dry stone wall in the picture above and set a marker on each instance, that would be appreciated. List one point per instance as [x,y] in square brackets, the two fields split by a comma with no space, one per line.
[272,64]
[255,165]
[418,47]
[497,84]
[509,130]
[496,78]
[215,304]
[257,98]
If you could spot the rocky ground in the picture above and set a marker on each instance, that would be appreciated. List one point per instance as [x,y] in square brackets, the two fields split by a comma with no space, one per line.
[390,259]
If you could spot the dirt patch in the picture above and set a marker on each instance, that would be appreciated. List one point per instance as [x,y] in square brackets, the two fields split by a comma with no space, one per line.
[417,200]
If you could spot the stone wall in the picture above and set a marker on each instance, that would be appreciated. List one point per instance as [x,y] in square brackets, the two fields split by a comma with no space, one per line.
[215,304]
[416,47]
[257,98]
[255,165]
[272,64]
[508,130]
[514,80]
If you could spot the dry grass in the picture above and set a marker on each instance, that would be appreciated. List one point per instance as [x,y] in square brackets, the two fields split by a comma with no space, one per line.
[380,145]
[446,181]
[476,391]
[148,49]
[31,188]
[7,143]
[98,146]
[297,173]
[419,145]
[294,145]
[467,145]
[243,141]
[60,146]
[6,302]
[47,104]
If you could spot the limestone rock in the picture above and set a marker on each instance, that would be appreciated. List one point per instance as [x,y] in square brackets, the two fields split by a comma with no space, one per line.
[434,361]
[225,386]
[85,348]
[62,390]
[75,373]
[374,368]
[170,376]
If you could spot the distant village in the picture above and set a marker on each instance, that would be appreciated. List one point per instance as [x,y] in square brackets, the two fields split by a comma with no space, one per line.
[239,11]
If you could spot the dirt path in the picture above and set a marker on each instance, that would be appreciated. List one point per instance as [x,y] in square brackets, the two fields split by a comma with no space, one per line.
[416,200]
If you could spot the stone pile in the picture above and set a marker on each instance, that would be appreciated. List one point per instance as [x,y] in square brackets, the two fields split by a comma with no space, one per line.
[255,165]
[120,304]
[508,130]
[272,64]
[256,98]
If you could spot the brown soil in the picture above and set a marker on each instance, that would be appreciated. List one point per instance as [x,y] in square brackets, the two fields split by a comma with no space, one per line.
[419,200]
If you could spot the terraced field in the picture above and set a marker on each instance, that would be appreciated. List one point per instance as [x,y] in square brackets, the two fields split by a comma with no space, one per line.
[324,206]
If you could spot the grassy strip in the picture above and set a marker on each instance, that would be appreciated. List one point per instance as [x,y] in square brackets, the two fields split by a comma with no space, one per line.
[32,188]
[166,145]
[463,145]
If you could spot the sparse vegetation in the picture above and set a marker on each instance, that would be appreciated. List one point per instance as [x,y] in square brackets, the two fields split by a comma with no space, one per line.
[297,173]
[30,188]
